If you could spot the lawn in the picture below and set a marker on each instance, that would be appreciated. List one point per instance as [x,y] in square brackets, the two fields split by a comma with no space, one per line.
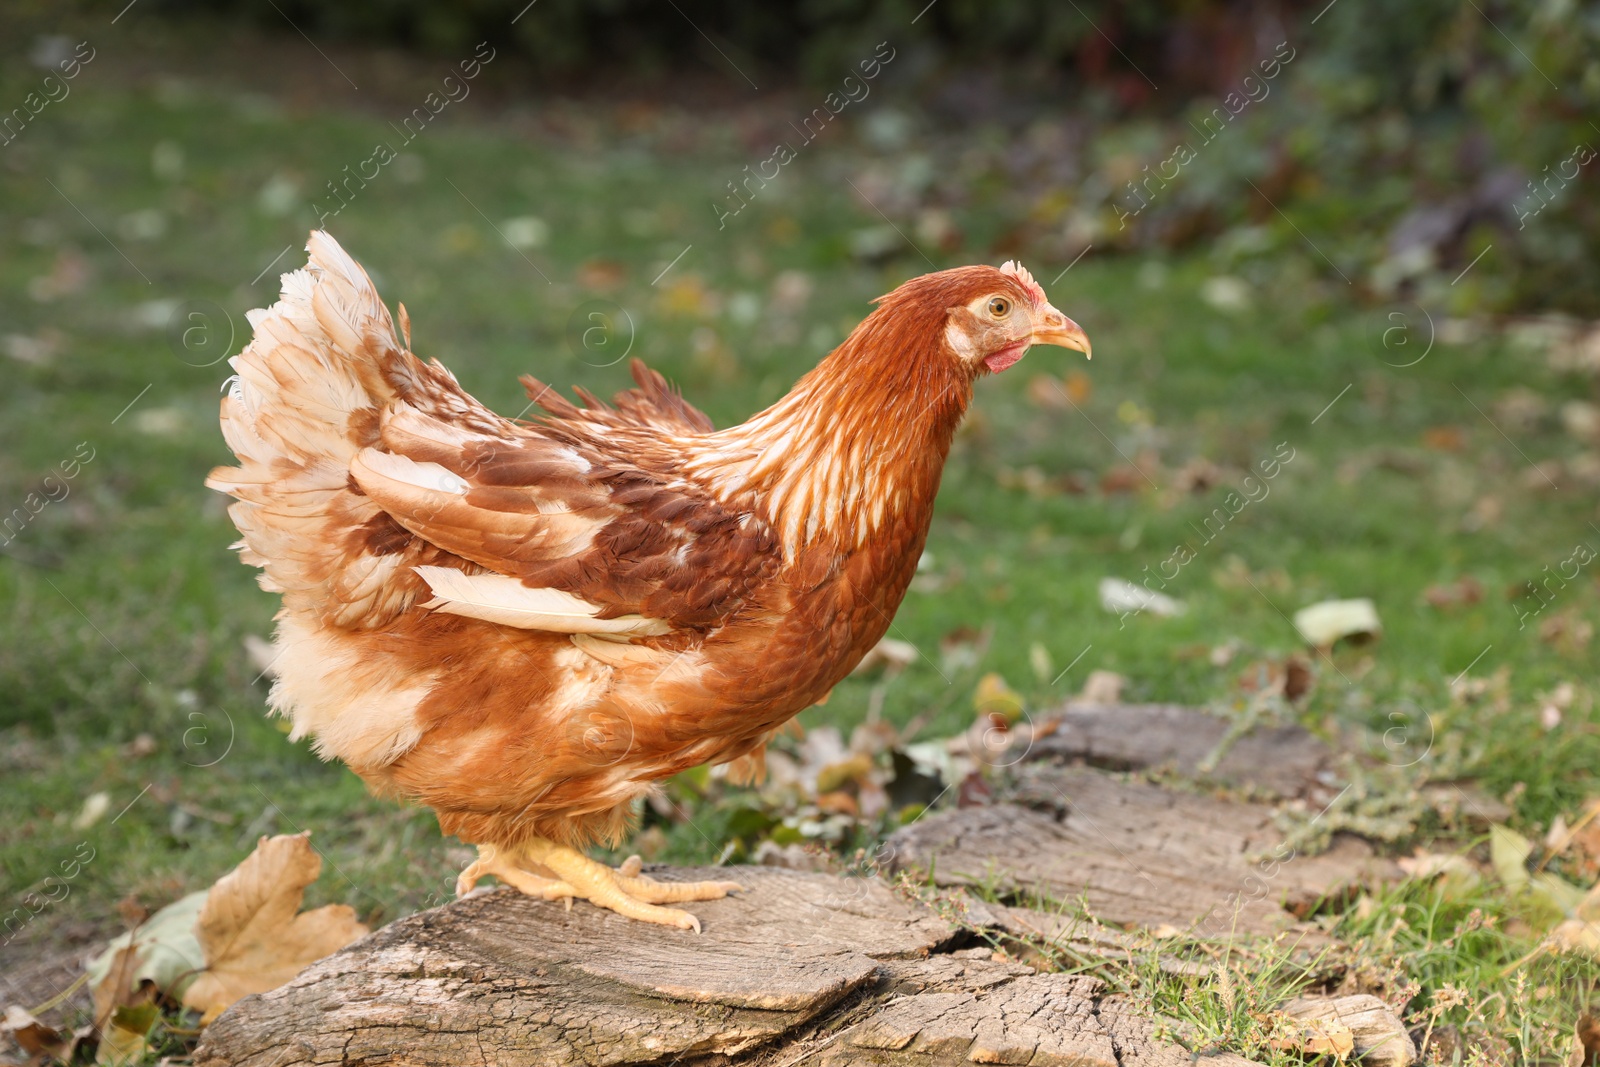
[143,216]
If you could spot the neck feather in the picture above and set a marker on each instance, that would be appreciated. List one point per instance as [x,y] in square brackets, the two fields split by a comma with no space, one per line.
[857,445]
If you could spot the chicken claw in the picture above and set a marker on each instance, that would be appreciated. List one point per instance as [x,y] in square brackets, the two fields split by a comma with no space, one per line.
[623,890]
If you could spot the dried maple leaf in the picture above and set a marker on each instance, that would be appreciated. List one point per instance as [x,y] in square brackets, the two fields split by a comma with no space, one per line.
[252,931]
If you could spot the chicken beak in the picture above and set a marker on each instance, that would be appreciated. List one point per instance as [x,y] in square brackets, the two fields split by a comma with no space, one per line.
[1051,327]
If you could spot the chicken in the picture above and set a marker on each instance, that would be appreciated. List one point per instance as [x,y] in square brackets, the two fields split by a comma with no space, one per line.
[524,625]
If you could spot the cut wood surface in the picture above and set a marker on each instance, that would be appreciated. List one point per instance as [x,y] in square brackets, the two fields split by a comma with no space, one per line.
[1282,761]
[1043,1020]
[801,967]
[1380,1037]
[1136,853]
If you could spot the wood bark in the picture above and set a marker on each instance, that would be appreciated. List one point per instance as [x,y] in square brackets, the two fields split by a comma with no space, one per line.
[1132,852]
[1280,761]
[800,969]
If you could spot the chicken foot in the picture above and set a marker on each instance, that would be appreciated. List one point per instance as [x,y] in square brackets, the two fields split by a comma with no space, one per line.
[623,889]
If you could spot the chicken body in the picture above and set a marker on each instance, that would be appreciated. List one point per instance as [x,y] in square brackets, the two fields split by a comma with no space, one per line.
[525,625]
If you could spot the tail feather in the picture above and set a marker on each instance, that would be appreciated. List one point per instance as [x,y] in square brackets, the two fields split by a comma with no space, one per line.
[310,391]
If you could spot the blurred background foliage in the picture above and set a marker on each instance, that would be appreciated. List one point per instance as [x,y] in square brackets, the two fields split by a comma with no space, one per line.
[1402,144]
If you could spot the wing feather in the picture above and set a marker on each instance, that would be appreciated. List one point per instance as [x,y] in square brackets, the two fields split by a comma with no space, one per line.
[497,598]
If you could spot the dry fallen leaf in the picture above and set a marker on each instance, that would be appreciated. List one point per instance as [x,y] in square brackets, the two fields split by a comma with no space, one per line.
[1122,597]
[1290,678]
[1102,687]
[117,984]
[1463,592]
[1576,935]
[161,951]
[1586,1042]
[34,1037]
[1567,630]
[1584,840]
[1324,623]
[1445,438]
[95,805]
[1581,931]
[1197,475]
[893,655]
[125,1037]
[252,931]
[1455,874]
[994,697]
[1319,1037]
[1123,478]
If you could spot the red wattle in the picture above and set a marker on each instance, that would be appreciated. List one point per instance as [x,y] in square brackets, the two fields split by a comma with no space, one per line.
[1005,357]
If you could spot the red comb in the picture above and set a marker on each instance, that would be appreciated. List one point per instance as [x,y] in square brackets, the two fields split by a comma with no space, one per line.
[1020,273]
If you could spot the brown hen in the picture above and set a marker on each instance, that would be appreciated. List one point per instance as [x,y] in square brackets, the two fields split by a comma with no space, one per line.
[526,625]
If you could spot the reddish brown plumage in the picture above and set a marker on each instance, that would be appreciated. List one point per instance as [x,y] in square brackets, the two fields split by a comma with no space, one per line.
[606,596]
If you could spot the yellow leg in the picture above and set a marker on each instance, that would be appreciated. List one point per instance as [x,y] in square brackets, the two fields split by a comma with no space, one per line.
[624,890]
[491,863]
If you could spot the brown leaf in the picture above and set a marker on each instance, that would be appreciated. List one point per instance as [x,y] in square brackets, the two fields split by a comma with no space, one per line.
[117,988]
[1319,1037]
[1123,478]
[252,931]
[1584,840]
[838,803]
[974,792]
[1586,1042]
[1567,630]
[1290,677]
[1445,438]
[1196,476]
[33,1036]
[1463,592]
[132,910]
[603,275]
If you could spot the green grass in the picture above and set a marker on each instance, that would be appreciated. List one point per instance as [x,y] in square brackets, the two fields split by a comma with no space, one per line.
[1450,959]
[127,611]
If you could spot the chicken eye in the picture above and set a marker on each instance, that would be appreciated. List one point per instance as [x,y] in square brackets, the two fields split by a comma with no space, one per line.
[999,307]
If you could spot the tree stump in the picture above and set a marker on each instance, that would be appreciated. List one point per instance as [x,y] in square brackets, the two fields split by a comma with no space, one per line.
[801,967]
[822,971]
[1283,761]
[1137,853]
